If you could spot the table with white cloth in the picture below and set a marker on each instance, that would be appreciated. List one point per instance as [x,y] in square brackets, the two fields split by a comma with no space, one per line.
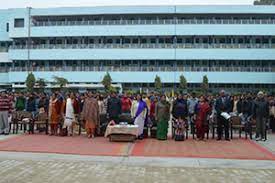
[125,133]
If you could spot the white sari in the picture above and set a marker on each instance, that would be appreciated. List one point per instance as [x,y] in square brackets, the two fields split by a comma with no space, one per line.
[140,119]
[69,114]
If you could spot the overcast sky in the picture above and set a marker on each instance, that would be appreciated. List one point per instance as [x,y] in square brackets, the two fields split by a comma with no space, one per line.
[58,3]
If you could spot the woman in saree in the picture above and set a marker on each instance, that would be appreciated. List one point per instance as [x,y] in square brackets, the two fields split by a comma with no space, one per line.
[202,110]
[139,112]
[162,117]
[55,111]
[70,112]
[91,115]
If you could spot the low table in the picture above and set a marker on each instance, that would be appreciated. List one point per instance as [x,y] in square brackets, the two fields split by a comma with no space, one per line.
[122,133]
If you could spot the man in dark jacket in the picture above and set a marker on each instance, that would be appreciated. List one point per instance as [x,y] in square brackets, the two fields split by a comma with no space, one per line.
[223,104]
[114,108]
[260,112]
[31,104]
[43,102]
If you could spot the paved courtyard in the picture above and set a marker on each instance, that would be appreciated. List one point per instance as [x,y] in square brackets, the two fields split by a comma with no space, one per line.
[26,167]
[36,168]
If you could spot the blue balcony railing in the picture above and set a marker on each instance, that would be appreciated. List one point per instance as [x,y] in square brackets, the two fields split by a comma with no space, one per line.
[145,46]
[178,68]
[153,22]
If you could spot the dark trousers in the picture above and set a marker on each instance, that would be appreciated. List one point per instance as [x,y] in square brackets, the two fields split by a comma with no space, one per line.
[272,123]
[103,123]
[223,124]
[260,126]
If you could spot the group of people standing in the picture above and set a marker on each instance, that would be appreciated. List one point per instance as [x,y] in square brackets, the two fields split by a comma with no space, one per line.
[143,110]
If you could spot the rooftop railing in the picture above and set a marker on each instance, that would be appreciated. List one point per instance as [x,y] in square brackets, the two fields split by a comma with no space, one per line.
[154,22]
[145,46]
[159,68]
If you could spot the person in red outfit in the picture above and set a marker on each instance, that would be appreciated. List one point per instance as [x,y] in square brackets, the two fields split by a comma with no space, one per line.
[202,110]
[126,104]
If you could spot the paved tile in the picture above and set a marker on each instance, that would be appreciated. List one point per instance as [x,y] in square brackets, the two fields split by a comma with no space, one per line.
[270,143]
[144,161]
[30,171]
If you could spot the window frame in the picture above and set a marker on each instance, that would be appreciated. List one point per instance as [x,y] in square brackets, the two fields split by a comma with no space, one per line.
[18,23]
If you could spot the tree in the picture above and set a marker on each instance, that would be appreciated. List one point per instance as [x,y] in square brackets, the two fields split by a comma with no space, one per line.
[183,83]
[158,84]
[264,2]
[205,85]
[112,89]
[61,82]
[107,81]
[130,92]
[30,82]
[41,84]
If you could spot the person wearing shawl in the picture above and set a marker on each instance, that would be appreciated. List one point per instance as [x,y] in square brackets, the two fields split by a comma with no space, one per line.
[162,117]
[91,115]
[139,112]
[55,113]
[202,110]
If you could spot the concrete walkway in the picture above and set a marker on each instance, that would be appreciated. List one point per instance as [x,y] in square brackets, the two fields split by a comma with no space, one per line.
[144,161]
